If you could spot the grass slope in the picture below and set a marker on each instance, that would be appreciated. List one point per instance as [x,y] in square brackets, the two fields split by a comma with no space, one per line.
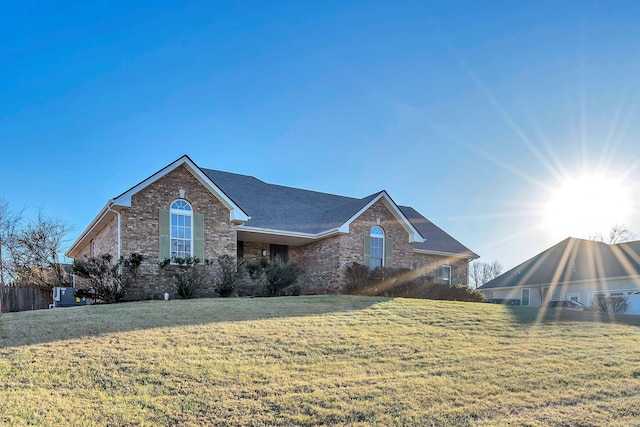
[323,360]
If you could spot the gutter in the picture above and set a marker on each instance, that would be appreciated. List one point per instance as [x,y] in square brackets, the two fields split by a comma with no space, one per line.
[104,211]
[573,282]
[119,245]
[470,256]
[290,233]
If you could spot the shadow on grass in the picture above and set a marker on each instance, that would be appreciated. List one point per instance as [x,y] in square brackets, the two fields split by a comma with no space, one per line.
[541,315]
[43,326]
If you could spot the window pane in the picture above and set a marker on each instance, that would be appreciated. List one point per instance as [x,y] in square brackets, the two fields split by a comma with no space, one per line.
[174,219]
[187,221]
[446,273]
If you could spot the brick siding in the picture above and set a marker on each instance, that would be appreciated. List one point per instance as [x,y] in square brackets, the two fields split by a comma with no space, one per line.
[324,261]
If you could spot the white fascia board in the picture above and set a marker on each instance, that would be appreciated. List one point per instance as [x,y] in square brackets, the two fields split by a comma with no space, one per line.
[574,282]
[310,236]
[414,235]
[236,214]
[98,220]
[428,252]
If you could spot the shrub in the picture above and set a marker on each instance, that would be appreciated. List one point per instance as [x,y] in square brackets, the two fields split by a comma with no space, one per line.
[280,275]
[618,304]
[109,282]
[231,269]
[357,276]
[256,272]
[453,293]
[274,278]
[187,275]
[402,282]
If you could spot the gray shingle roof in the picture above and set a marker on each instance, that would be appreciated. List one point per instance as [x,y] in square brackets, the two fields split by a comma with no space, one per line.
[288,209]
[436,239]
[573,260]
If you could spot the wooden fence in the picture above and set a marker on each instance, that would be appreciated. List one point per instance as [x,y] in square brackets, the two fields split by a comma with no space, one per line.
[23,298]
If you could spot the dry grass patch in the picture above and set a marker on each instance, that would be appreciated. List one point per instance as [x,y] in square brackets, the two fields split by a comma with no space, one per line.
[324,360]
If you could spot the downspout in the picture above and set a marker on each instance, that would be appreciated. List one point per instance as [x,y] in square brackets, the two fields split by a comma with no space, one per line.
[119,242]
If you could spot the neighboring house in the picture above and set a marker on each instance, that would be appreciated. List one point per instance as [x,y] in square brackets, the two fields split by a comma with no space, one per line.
[574,269]
[184,210]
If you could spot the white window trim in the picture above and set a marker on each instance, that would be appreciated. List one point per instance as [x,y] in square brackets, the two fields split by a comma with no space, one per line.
[607,293]
[569,296]
[528,304]
[447,278]
[545,295]
[183,213]
[377,236]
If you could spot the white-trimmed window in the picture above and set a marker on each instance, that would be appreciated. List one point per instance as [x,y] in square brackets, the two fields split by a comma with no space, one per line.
[545,294]
[525,297]
[377,247]
[181,230]
[573,297]
[446,274]
[488,295]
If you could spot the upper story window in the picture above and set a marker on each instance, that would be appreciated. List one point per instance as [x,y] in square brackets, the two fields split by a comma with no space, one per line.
[377,247]
[181,229]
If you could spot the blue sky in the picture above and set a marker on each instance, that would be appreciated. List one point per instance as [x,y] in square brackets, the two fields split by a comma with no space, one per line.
[471,112]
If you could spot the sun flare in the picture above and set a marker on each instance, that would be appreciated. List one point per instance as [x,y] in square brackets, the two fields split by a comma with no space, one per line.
[586,205]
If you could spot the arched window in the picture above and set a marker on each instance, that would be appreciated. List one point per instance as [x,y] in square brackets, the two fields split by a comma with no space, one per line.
[377,247]
[181,230]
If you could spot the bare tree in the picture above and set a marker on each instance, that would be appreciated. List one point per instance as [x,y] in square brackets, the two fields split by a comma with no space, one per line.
[9,223]
[611,304]
[34,252]
[617,234]
[482,272]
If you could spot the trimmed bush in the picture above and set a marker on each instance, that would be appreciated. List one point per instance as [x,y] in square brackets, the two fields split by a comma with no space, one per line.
[187,275]
[230,268]
[109,283]
[275,278]
[402,282]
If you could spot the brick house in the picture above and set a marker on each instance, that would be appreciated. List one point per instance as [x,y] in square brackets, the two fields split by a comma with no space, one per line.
[184,210]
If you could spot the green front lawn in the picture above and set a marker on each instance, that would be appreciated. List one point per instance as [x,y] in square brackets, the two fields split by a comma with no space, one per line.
[321,360]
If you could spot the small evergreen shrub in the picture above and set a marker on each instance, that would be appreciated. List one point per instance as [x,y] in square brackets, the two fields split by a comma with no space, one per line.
[402,282]
[275,278]
[357,276]
[231,269]
[187,275]
[281,275]
[109,282]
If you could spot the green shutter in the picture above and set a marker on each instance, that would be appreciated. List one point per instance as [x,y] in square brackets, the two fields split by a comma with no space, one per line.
[388,252]
[439,275]
[198,236]
[454,275]
[366,259]
[164,227]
